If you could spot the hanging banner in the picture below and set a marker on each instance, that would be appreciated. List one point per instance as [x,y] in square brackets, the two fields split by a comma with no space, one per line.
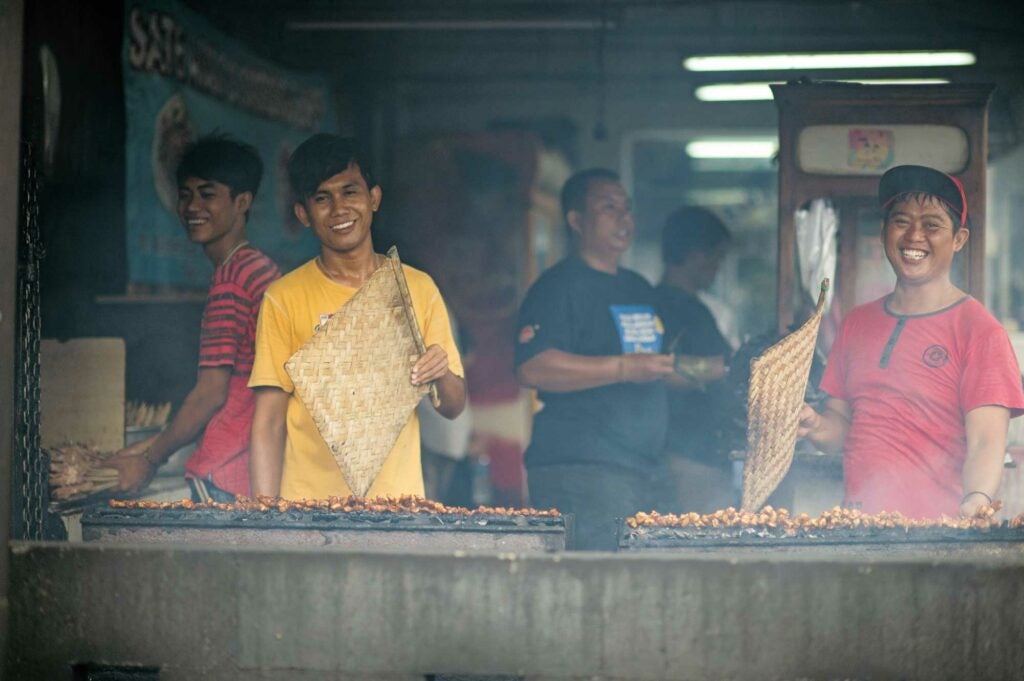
[183,79]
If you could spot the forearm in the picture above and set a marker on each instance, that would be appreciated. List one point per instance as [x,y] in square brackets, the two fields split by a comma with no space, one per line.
[195,412]
[557,371]
[266,448]
[451,389]
[830,433]
[983,472]
[986,448]
[694,372]
[266,461]
[983,466]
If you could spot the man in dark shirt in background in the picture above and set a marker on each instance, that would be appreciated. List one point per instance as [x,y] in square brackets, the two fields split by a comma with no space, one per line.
[590,342]
[694,242]
[217,182]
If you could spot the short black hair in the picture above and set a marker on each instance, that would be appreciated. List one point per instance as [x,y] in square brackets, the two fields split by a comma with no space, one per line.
[691,229]
[323,156]
[575,189]
[917,180]
[921,197]
[222,158]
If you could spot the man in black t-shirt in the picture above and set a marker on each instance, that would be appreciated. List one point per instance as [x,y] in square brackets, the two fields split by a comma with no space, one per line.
[694,243]
[590,342]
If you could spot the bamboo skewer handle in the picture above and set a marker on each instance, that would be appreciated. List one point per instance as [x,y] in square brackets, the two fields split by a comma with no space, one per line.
[410,315]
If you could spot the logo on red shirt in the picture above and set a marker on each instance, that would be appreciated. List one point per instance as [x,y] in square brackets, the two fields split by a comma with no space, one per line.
[936,356]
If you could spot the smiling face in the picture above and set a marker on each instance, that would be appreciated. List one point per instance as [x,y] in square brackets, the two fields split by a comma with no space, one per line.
[920,240]
[605,226]
[208,211]
[340,212]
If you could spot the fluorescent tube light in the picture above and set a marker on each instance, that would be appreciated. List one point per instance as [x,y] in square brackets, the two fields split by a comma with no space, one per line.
[719,197]
[733,92]
[748,92]
[454,25]
[829,60]
[732,147]
[731,165]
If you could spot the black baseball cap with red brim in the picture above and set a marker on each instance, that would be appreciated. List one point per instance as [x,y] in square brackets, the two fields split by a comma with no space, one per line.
[923,180]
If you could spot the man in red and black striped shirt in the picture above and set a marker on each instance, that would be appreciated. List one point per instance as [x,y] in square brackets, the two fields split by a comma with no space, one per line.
[217,182]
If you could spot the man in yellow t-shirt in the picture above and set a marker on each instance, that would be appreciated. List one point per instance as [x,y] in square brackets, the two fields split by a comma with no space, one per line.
[336,198]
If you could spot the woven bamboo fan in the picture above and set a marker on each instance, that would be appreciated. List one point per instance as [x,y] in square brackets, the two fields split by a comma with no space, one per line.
[778,380]
[353,375]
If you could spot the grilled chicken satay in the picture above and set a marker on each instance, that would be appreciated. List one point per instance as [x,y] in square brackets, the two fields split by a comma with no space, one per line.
[403,504]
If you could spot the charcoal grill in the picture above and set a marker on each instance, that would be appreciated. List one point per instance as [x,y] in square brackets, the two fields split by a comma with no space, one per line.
[352,530]
[646,538]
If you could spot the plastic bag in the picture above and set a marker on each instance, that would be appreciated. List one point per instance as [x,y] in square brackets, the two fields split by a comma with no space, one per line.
[816,227]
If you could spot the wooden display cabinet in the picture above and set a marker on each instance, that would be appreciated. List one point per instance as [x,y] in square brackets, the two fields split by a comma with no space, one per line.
[837,139]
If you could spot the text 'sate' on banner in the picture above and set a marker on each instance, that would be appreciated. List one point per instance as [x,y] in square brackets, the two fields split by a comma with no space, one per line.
[183,79]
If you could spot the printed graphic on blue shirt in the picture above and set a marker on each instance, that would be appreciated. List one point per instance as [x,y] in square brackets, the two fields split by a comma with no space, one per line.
[640,329]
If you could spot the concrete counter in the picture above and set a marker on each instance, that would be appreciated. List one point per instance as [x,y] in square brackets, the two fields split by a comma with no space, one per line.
[247,613]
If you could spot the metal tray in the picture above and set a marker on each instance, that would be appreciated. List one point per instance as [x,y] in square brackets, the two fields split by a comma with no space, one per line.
[336,520]
[356,529]
[682,537]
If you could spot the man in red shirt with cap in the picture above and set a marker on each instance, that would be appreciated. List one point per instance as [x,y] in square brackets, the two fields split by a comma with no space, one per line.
[922,382]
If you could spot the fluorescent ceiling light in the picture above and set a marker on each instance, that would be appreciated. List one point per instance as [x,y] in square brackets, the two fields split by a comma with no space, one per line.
[732,147]
[733,92]
[731,165]
[746,92]
[829,60]
[719,197]
[454,25]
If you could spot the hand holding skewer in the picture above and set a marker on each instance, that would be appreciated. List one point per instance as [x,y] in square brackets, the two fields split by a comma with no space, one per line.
[134,468]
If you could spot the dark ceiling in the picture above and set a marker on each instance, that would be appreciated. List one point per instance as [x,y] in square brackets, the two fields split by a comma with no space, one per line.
[377,43]
[318,33]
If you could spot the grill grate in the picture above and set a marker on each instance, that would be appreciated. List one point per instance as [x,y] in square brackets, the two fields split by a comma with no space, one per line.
[319,520]
[359,530]
[678,537]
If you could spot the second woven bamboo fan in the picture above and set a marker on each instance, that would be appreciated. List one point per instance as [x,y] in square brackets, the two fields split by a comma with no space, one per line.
[353,376]
[778,381]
